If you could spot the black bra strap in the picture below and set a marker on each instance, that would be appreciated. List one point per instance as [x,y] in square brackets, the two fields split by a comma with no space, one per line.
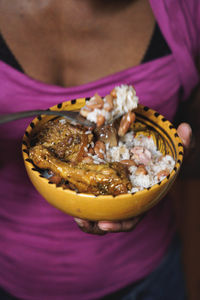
[7,56]
[158,46]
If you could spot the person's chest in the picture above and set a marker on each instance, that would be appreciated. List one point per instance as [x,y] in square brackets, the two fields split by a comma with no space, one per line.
[69,44]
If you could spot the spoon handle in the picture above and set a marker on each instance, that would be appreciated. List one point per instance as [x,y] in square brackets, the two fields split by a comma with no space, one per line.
[70,115]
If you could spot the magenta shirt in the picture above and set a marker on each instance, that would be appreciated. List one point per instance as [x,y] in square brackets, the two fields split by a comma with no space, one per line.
[43,254]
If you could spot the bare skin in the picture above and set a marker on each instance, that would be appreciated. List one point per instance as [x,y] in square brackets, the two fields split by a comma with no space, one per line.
[60,42]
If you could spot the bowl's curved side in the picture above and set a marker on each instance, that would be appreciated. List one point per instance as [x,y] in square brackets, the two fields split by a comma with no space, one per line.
[101,207]
[172,143]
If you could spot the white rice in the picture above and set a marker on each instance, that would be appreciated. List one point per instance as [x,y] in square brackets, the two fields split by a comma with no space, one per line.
[62,121]
[125,101]
[156,164]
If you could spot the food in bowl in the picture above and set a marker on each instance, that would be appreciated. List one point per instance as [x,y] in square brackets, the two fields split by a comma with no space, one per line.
[64,196]
[122,100]
[114,158]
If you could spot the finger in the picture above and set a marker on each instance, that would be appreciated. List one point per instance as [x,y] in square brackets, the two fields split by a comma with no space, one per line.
[89,227]
[185,133]
[120,226]
[82,223]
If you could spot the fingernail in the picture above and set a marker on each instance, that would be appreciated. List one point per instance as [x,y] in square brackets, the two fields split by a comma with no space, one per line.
[79,222]
[104,226]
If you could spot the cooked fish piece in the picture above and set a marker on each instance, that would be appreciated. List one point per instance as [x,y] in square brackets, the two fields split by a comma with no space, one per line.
[109,178]
[66,141]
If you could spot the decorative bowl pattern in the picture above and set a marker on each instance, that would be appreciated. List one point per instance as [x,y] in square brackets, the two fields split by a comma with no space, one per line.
[108,207]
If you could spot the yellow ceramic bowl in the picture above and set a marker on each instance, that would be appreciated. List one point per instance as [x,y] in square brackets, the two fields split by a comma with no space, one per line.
[107,207]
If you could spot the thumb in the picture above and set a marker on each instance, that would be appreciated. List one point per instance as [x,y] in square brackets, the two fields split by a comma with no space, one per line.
[184,131]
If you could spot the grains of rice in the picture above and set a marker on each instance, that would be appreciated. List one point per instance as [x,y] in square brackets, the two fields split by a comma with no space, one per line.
[157,163]
[125,101]
[62,121]
[142,181]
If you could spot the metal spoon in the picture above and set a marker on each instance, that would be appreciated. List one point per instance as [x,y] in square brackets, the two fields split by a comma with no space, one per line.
[73,116]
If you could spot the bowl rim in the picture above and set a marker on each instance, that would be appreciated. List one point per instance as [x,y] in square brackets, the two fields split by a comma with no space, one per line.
[81,102]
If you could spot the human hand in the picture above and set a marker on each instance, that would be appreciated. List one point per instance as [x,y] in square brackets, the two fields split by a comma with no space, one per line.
[191,147]
[102,227]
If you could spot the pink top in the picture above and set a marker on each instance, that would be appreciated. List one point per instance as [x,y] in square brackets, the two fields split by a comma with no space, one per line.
[43,254]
